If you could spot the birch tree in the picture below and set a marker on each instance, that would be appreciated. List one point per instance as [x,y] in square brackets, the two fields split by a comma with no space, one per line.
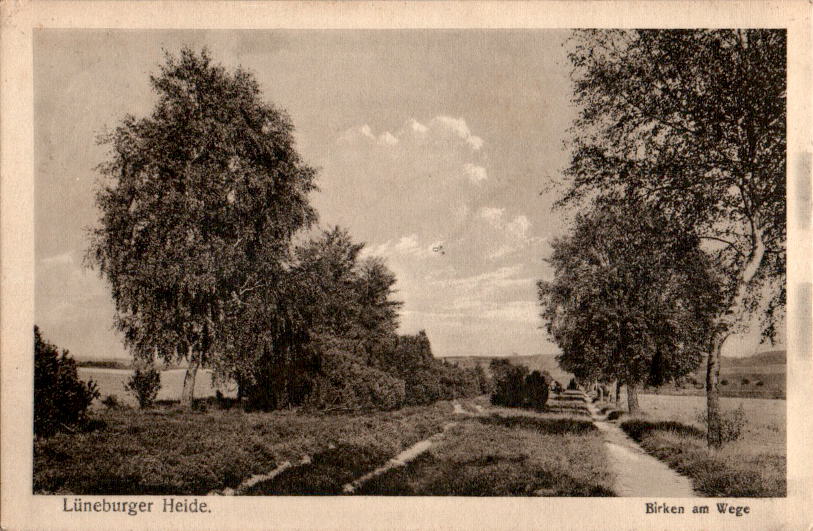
[693,121]
[632,299]
[198,203]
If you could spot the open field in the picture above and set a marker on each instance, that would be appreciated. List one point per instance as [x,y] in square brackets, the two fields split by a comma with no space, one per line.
[111,382]
[537,454]
[168,450]
[499,452]
[761,375]
[754,465]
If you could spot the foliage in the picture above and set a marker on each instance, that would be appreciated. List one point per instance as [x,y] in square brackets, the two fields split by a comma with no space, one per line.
[111,402]
[61,399]
[506,456]
[572,385]
[175,451]
[735,470]
[694,123]
[144,385]
[514,387]
[633,298]
[732,423]
[331,296]
[198,202]
[509,383]
[347,383]
[484,382]
[536,391]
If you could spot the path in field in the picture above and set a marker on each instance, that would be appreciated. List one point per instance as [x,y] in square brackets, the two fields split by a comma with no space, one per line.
[637,473]
[403,458]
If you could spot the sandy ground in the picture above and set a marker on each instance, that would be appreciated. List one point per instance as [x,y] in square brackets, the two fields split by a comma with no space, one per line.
[638,474]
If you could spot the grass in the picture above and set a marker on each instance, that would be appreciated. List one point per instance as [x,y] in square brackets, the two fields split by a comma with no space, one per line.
[168,450]
[532,454]
[753,466]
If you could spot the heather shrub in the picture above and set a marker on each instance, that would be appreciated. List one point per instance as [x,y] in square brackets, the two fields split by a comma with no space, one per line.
[509,383]
[536,390]
[111,402]
[514,387]
[61,399]
[346,383]
[732,422]
[144,385]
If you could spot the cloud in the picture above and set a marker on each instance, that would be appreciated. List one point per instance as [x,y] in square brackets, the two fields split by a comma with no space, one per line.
[476,174]
[388,139]
[406,246]
[63,259]
[457,127]
[487,284]
[510,234]
[441,129]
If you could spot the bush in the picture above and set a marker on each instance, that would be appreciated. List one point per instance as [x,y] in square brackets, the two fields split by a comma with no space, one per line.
[484,383]
[509,383]
[745,381]
[111,402]
[144,385]
[61,399]
[732,422]
[514,387]
[572,385]
[759,383]
[723,382]
[347,383]
[536,390]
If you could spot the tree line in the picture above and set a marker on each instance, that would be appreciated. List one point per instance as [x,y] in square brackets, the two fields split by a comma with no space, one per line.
[677,173]
[207,241]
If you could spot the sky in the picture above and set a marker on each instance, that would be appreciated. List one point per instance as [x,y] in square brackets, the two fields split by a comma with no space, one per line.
[434,147]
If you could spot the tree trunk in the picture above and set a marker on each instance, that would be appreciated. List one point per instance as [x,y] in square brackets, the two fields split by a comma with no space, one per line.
[617,392]
[600,393]
[714,429]
[714,433]
[632,399]
[188,392]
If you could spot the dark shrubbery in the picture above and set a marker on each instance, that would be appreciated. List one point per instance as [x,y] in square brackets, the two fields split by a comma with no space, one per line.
[111,402]
[732,423]
[514,387]
[348,384]
[144,385]
[572,385]
[61,399]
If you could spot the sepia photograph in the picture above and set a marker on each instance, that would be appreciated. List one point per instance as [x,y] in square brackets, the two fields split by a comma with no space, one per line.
[323,264]
[328,263]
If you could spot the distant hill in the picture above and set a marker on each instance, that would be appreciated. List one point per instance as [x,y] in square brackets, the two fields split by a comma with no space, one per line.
[761,375]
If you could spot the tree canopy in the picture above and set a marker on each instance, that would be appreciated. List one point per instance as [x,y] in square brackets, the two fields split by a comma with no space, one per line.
[199,201]
[633,299]
[693,122]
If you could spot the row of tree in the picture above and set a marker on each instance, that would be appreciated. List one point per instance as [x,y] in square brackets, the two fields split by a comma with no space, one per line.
[203,239]
[678,169]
